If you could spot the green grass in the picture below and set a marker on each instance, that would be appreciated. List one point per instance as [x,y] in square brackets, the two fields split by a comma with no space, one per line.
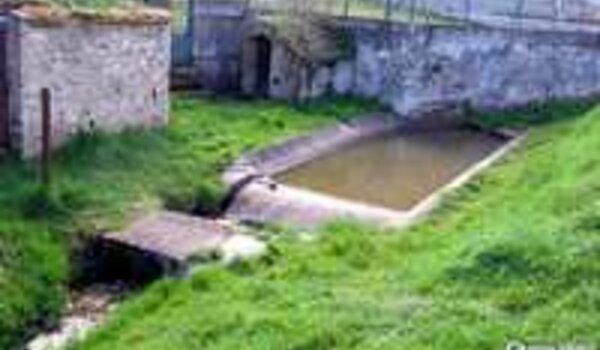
[92,4]
[101,181]
[515,255]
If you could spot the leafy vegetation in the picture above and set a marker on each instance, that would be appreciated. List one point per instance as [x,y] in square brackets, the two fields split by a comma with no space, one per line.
[100,181]
[367,9]
[92,4]
[399,12]
[514,256]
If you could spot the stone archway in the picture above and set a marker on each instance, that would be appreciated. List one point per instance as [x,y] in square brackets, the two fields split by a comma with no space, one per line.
[263,65]
[256,65]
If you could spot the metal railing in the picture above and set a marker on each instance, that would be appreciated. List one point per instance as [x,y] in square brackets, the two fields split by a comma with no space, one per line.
[390,10]
[441,11]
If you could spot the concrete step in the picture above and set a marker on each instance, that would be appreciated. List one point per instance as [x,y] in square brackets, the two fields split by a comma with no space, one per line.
[182,239]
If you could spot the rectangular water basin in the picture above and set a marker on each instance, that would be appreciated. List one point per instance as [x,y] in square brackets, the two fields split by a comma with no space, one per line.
[397,169]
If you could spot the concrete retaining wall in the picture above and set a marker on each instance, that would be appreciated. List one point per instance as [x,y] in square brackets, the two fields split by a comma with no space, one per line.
[417,68]
[105,76]
[568,9]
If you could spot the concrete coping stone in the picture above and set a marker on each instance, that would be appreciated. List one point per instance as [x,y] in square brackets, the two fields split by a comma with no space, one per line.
[47,14]
[295,151]
[181,238]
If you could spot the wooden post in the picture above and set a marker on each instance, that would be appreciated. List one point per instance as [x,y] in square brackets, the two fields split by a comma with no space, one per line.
[46,136]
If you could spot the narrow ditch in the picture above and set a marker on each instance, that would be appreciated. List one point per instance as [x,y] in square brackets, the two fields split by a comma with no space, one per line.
[104,276]
[87,308]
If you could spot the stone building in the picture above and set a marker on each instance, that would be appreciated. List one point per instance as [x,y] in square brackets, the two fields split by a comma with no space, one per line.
[105,70]
[241,51]
[288,58]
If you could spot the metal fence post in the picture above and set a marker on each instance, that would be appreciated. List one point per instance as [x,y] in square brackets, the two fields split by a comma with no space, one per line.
[519,15]
[559,8]
[346,8]
[468,9]
[388,10]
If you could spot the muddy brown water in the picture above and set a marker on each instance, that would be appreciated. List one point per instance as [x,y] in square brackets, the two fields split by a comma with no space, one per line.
[395,170]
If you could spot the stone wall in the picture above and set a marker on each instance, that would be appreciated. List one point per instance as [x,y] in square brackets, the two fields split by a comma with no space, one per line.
[105,76]
[419,68]
[424,68]
[290,76]
[566,9]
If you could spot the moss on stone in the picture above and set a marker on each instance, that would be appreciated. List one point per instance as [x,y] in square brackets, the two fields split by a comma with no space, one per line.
[46,13]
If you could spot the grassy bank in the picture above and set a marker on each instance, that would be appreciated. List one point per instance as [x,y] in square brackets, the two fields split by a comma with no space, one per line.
[515,255]
[101,181]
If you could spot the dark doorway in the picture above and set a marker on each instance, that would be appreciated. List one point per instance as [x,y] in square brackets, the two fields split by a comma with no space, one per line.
[4,90]
[263,66]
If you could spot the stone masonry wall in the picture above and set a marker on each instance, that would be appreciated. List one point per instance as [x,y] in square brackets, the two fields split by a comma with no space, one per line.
[423,68]
[567,9]
[105,76]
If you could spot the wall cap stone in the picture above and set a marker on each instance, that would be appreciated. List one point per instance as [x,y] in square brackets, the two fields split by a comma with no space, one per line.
[37,12]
